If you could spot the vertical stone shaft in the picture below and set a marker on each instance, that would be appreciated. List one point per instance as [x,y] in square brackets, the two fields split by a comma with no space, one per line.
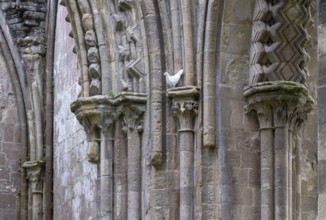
[120,174]
[289,104]
[32,141]
[281,164]
[186,143]
[188,42]
[34,170]
[209,74]
[37,205]
[106,161]
[38,121]
[291,198]
[134,175]
[298,178]
[267,167]
[184,108]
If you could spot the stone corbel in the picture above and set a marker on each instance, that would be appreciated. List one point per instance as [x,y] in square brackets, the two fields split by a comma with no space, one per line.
[94,113]
[184,108]
[97,114]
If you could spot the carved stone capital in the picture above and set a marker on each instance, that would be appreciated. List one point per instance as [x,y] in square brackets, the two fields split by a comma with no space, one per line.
[184,105]
[35,173]
[94,114]
[132,106]
[98,113]
[287,103]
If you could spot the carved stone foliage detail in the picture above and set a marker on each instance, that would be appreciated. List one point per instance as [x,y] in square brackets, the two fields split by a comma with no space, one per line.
[280,40]
[286,102]
[185,110]
[132,116]
[184,105]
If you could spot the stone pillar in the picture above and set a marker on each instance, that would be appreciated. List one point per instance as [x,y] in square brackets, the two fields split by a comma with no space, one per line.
[97,114]
[132,114]
[265,116]
[280,106]
[34,170]
[281,162]
[106,125]
[184,108]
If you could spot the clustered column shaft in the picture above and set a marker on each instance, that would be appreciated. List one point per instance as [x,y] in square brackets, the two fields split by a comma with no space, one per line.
[266,163]
[106,172]
[281,108]
[99,115]
[132,115]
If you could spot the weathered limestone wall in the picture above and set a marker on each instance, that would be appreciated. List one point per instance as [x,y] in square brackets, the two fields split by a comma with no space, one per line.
[237,133]
[74,176]
[9,146]
[322,112]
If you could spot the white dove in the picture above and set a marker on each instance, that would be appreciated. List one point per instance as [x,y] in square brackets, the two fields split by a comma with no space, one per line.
[173,80]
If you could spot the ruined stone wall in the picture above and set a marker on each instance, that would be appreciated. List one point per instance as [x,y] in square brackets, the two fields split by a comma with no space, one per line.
[9,146]
[74,177]
[149,160]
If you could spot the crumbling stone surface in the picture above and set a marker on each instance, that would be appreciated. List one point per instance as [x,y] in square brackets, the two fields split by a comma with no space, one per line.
[26,21]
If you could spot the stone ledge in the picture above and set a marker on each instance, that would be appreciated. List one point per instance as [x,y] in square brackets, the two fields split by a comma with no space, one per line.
[277,92]
[101,111]
[182,92]
[107,100]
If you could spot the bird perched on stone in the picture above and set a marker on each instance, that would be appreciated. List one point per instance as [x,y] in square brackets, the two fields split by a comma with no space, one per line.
[173,80]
